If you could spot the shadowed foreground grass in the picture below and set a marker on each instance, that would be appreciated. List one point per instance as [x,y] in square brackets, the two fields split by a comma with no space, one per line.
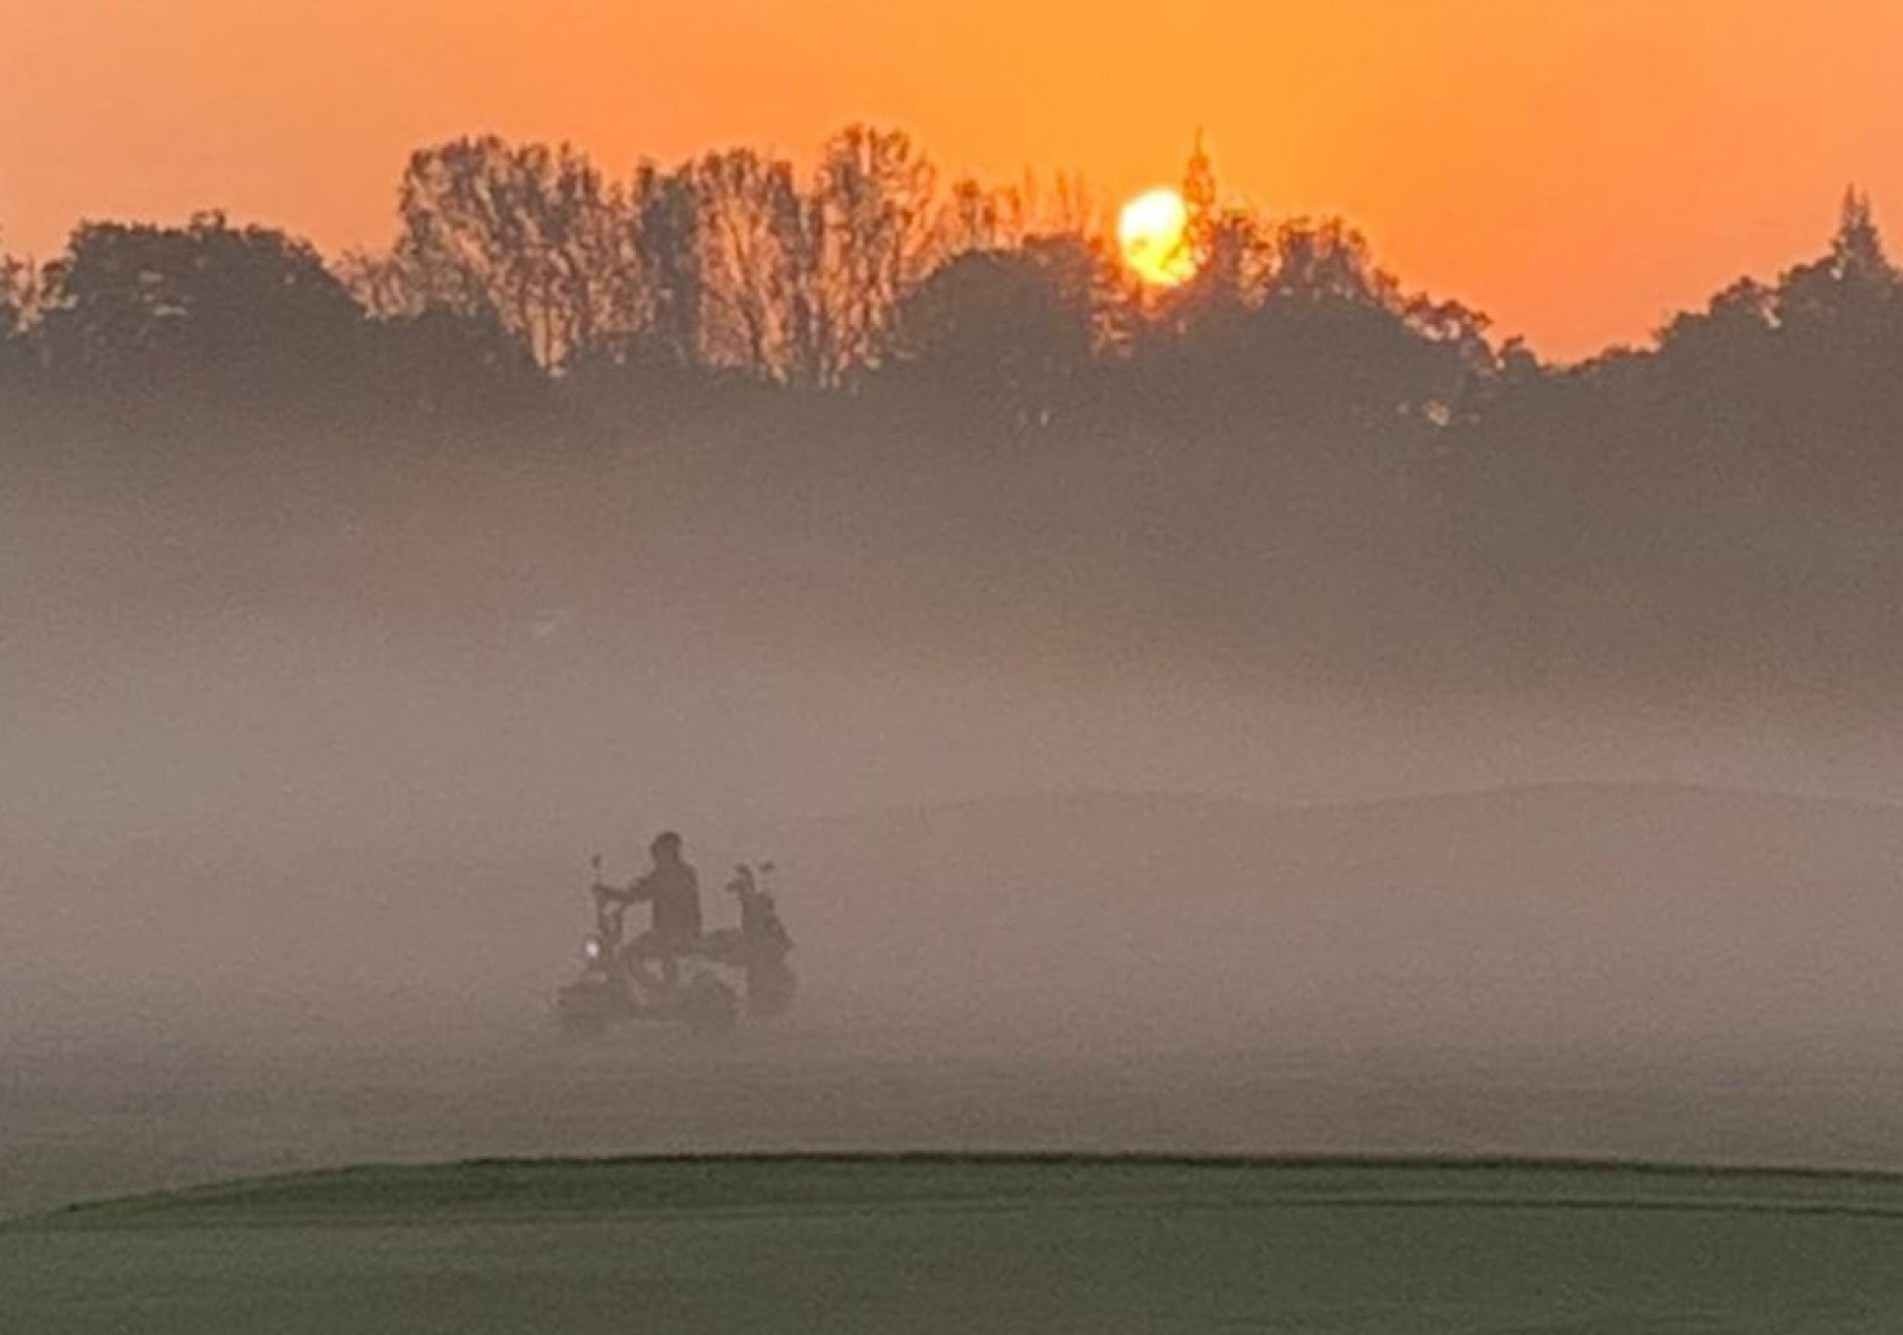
[960,1243]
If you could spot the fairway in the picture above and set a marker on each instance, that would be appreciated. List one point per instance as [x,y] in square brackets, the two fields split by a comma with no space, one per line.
[950,1243]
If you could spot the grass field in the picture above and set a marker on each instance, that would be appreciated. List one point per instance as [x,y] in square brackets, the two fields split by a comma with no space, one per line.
[959,1243]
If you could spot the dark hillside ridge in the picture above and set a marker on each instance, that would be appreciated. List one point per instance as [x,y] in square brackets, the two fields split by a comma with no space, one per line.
[825,1181]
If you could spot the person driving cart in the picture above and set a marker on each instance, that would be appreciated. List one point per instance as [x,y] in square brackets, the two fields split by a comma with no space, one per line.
[618,984]
[672,888]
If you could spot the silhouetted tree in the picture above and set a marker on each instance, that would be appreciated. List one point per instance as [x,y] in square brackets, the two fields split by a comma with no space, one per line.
[13,277]
[534,236]
[1840,327]
[385,287]
[19,298]
[974,217]
[755,262]
[1786,391]
[1298,325]
[671,332]
[1002,333]
[203,308]
[440,363]
[18,286]
[1849,294]
[871,225]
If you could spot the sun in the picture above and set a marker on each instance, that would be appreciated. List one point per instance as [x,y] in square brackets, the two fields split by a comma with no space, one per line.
[1152,230]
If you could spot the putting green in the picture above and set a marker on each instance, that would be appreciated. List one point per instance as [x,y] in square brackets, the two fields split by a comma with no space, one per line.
[955,1243]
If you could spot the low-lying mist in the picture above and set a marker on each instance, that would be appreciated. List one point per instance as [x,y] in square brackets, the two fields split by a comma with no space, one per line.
[307,753]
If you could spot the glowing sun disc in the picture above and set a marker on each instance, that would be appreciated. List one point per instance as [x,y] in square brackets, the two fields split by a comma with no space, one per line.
[1151,232]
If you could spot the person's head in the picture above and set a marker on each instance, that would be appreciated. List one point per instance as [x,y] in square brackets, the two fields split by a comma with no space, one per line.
[666,847]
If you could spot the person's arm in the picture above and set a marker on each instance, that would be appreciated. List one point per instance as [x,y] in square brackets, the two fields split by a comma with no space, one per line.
[634,892]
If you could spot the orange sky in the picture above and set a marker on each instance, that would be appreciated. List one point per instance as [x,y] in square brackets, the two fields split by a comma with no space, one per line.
[1574,167]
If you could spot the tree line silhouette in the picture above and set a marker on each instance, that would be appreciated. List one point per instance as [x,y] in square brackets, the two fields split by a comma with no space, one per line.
[527,264]
[1739,472]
